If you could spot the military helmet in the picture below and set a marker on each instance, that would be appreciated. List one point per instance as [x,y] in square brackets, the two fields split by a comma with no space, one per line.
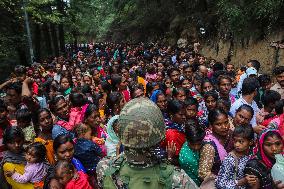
[141,124]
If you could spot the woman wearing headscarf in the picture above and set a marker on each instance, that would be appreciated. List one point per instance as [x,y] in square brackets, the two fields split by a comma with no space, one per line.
[270,143]
[112,140]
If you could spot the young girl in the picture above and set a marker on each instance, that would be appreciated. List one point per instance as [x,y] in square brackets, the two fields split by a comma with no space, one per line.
[270,143]
[231,174]
[175,133]
[206,86]
[69,177]
[179,94]
[224,105]
[186,84]
[24,120]
[190,151]
[35,169]
[168,86]
[210,99]
[191,105]
[196,90]
[88,152]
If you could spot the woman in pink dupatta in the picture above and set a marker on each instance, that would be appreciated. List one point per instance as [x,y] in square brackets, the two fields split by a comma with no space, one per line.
[216,144]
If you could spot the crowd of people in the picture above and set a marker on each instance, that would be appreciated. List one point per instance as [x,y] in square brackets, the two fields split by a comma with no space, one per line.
[140,116]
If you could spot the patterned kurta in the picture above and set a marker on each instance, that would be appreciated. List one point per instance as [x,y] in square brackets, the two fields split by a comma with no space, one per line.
[228,171]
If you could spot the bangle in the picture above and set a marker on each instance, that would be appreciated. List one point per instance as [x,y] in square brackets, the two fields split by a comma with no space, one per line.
[237,182]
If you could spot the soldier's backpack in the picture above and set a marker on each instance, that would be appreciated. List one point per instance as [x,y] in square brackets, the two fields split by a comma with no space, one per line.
[121,176]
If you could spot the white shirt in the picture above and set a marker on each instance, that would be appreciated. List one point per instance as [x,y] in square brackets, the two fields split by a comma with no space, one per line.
[242,101]
[240,83]
[56,77]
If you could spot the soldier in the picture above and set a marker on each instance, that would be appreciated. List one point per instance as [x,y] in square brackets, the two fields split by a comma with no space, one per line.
[141,129]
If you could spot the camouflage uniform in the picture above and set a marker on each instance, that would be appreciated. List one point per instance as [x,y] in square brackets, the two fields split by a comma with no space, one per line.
[180,179]
[141,128]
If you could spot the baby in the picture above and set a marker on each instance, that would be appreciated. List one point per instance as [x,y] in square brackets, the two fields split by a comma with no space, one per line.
[69,177]
[88,152]
[36,169]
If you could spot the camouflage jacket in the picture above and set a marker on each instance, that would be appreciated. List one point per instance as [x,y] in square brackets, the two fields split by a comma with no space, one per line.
[180,179]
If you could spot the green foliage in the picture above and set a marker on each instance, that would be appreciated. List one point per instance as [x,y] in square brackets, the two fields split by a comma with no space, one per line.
[44,11]
[11,36]
[245,18]
[232,15]
[140,20]
[144,18]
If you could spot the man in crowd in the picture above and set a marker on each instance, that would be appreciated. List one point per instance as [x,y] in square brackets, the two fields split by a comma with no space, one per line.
[278,72]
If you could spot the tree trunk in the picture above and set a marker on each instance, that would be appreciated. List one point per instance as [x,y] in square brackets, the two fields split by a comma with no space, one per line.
[54,39]
[60,7]
[47,39]
[61,38]
[37,41]
[22,55]
[10,27]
